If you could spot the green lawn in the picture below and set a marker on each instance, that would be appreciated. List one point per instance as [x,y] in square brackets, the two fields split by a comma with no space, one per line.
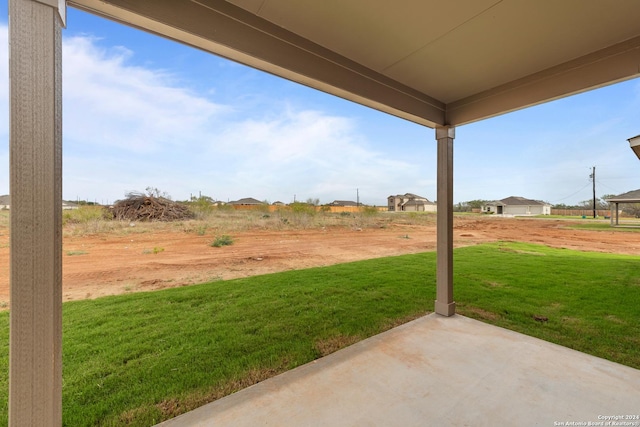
[626,227]
[591,300]
[139,358]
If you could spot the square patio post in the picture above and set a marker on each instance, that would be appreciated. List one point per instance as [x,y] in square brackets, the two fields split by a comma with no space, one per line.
[35,65]
[444,276]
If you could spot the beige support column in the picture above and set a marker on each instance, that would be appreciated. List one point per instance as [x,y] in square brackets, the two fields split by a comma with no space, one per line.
[444,277]
[611,218]
[35,362]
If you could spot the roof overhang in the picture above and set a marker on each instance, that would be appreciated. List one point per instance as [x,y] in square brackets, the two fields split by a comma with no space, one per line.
[432,62]
[623,200]
[628,197]
[634,143]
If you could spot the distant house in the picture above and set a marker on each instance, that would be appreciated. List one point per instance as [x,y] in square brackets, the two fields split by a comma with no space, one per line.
[517,206]
[66,206]
[278,203]
[247,201]
[5,202]
[410,203]
[343,203]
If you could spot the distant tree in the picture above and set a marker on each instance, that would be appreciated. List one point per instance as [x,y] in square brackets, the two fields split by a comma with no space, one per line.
[82,202]
[588,204]
[477,204]
[201,205]
[631,209]
[314,202]
[468,206]
[202,199]
[302,208]
[155,192]
[563,206]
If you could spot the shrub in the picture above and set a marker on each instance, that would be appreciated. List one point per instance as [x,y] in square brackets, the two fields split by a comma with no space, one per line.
[369,210]
[201,229]
[300,208]
[201,207]
[223,240]
[84,214]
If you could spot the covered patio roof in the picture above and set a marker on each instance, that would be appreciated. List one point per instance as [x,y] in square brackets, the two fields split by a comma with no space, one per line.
[628,197]
[615,202]
[439,63]
[433,62]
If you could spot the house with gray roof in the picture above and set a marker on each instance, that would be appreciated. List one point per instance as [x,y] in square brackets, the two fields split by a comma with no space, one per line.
[517,206]
[344,203]
[66,206]
[247,201]
[5,202]
[410,202]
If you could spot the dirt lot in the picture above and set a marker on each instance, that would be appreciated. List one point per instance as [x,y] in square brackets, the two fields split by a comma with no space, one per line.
[111,263]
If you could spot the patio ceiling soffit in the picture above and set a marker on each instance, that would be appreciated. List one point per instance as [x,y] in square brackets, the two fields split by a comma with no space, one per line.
[229,31]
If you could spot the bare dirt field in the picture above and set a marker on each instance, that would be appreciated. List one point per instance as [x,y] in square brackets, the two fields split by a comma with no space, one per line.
[109,263]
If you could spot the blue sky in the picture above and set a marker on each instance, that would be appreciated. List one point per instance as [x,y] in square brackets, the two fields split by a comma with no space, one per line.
[143,111]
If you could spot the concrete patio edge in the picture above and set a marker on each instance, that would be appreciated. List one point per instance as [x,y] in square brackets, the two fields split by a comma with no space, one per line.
[437,371]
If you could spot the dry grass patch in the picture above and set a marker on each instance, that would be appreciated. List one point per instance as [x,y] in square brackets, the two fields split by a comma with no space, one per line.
[615,319]
[494,284]
[171,408]
[333,344]
[390,324]
[479,313]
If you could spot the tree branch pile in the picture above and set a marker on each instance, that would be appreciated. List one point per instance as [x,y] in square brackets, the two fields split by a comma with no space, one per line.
[138,207]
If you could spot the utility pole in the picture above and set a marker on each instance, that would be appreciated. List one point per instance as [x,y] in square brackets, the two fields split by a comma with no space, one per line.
[593,178]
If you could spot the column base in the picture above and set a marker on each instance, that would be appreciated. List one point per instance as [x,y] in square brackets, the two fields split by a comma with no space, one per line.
[446,309]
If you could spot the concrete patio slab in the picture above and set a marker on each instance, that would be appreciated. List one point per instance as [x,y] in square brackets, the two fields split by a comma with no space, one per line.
[437,371]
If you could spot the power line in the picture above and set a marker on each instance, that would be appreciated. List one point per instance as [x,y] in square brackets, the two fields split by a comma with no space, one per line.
[571,195]
[617,191]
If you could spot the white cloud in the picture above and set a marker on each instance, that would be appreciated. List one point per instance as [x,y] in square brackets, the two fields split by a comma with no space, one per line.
[127,127]
[112,103]
[310,152]
[136,127]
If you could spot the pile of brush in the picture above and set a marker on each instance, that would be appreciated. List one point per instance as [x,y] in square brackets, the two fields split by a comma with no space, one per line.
[139,207]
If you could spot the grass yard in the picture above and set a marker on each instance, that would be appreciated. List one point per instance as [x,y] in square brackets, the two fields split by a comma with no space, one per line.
[591,300]
[625,226]
[139,358]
